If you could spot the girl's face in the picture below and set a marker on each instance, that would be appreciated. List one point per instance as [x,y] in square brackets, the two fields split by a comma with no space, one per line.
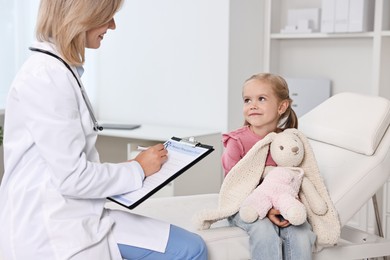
[262,109]
[95,35]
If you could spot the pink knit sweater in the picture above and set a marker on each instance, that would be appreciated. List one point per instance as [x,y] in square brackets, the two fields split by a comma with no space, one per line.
[237,143]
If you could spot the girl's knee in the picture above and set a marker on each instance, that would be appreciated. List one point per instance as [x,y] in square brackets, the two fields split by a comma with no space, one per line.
[263,226]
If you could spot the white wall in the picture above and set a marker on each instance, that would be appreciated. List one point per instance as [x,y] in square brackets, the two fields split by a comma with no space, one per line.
[166,64]
[170,62]
[246,23]
[17,18]
[173,62]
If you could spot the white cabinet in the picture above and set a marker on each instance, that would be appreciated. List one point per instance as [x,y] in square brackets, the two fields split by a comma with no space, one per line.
[204,177]
[355,62]
[308,93]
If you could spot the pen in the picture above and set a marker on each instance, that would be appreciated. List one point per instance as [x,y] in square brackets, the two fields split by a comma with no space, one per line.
[142,148]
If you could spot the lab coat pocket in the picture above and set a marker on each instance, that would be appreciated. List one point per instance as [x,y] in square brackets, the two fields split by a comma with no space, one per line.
[139,231]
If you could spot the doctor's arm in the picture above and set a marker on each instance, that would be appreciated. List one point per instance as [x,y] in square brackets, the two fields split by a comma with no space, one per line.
[63,137]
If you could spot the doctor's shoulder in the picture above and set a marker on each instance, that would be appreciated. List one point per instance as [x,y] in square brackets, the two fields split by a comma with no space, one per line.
[44,70]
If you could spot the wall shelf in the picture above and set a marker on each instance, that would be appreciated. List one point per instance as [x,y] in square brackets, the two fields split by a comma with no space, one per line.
[362,57]
[386,33]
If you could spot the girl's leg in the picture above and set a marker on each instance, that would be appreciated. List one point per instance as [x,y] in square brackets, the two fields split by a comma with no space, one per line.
[182,245]
[298,242]
[265,243]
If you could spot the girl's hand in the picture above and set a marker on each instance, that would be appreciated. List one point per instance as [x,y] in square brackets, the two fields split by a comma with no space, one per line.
[152,159]
[274,216]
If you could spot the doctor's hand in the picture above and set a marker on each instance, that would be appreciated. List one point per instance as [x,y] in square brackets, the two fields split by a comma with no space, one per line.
[152,159]
[275,217]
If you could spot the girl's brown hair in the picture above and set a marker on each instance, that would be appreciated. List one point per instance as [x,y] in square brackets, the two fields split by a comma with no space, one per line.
[65,23]
[279,85]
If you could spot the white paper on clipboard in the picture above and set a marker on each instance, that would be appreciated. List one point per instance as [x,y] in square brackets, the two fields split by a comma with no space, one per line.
[182,154]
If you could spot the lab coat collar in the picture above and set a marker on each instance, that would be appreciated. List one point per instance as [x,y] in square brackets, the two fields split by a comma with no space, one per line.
[48,46]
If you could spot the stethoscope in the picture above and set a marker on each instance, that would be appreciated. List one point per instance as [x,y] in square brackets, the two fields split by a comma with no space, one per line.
[96,126]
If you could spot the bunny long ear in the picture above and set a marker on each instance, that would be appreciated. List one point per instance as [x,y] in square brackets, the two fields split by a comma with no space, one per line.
[327,226]
[244,176]
[310,166]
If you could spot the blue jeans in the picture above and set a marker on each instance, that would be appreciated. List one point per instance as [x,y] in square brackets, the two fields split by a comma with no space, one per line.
[182,245]
[268,241]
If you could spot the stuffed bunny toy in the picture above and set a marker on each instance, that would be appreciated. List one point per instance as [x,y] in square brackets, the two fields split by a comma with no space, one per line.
[245,177]
[281,184]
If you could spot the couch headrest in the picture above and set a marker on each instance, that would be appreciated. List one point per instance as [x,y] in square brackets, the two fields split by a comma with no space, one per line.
[349,120]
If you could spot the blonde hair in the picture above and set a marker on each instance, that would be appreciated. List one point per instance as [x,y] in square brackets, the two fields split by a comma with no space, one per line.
[65,23]
[280,87]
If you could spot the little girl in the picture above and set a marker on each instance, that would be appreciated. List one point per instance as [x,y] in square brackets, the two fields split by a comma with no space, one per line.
[267,108]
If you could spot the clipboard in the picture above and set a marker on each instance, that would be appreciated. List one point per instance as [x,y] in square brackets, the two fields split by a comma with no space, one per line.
[182,155]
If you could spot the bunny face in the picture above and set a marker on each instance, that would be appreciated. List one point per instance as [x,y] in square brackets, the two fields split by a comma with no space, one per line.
[287,150]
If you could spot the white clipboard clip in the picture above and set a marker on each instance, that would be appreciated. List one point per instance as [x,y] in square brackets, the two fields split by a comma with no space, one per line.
[189,141]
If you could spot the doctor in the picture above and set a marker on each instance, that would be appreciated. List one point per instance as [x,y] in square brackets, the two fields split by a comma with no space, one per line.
[53,191]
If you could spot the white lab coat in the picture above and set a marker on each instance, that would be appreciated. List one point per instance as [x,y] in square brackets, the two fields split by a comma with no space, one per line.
[53,191]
